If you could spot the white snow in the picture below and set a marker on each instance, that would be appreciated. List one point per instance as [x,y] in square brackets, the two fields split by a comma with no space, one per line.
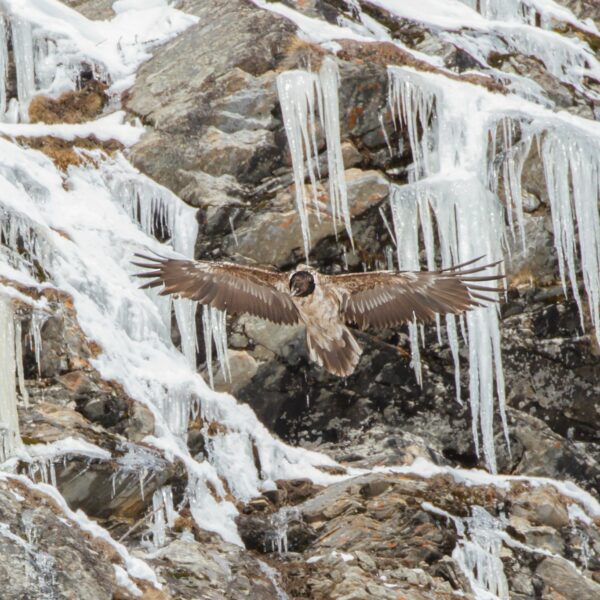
[475,477]
[65,446]
[111,126]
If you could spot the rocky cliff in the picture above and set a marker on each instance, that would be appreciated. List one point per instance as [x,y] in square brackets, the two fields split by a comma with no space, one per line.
[180,492]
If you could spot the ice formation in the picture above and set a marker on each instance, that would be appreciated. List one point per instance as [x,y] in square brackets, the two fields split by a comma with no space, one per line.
[477,551]
[83,228]
[300,94]
[109,211]
[93,265]
[462,137]
[53,44]
[448,194]
[9,422]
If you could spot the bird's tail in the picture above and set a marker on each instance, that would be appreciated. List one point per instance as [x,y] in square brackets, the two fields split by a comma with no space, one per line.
[339,354]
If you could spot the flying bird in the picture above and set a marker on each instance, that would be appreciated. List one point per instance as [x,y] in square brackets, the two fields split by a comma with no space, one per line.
[325,304]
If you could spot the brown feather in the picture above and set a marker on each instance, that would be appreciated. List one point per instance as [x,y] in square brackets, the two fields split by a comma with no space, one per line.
[388,298]
[226,286]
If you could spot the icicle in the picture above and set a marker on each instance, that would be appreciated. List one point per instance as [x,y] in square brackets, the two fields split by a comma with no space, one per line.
[277,538]
[22,43]
[37,321]
[185,313]
[19,361]
[338,196]
[300,92]
[9,420]
[170,512]
[232,225]
[404,219]
[158,522]
[214,325]
[297,91]
[3,66]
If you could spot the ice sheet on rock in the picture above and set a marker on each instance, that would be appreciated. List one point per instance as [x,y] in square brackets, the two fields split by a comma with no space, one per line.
[10,438]
[477,551]
[135,566]
[84,240]
[162,214]
[527,12]
[505,26]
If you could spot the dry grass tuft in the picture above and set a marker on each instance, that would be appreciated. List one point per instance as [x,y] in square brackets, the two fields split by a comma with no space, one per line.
[300,54]
[71,107]
[64,153]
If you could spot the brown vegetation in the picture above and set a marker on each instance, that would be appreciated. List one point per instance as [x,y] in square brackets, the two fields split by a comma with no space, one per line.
[300,54]
[78,106]
[64,153]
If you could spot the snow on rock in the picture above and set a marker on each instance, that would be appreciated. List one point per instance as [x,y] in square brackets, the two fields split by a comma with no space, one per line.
[110,127]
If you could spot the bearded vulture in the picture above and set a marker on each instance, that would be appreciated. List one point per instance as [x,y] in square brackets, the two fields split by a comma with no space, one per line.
[325,304]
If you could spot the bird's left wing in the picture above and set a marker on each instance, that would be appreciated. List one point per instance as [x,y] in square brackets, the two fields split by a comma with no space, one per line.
[390,298]
[222,285]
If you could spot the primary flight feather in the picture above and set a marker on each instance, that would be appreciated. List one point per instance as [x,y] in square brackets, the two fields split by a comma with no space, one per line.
[325,304]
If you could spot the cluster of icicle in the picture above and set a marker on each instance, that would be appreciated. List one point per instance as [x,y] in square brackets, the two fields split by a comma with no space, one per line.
[451,198]
[454,131]
[300,94]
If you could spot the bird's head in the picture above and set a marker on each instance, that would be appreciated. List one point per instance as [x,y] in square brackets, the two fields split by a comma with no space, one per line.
[302,283]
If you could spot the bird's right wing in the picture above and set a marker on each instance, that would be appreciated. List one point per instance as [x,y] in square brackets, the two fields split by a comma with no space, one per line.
[222,285]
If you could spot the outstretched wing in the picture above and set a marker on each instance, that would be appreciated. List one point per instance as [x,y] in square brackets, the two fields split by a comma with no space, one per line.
[222,285]
[388,298]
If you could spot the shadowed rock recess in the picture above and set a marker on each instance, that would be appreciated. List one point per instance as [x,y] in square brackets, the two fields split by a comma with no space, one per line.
[413,515]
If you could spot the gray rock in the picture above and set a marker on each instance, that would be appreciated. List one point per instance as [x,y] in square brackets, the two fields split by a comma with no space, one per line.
[560,576]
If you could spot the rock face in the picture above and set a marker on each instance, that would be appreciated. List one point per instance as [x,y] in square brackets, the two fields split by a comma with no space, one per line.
[215,137]
[390,536]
